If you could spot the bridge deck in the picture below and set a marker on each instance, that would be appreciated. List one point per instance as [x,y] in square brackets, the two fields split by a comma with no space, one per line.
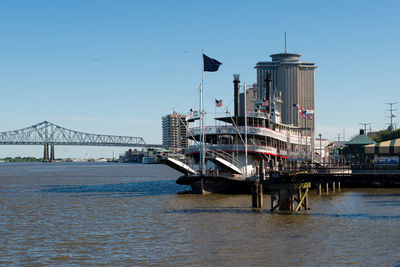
[47,133]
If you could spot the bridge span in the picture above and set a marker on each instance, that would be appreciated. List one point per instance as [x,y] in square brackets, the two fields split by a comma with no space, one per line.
[49,135]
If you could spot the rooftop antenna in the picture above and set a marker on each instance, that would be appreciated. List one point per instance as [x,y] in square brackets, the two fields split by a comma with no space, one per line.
[285,42]
[365,126]
[391,113]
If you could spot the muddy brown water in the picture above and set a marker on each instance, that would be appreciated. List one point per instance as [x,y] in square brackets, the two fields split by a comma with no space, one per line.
[131,214]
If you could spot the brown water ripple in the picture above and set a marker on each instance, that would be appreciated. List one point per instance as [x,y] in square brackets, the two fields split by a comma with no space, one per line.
[116,214]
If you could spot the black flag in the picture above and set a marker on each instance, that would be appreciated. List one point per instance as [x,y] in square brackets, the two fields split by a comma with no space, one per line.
[210,64]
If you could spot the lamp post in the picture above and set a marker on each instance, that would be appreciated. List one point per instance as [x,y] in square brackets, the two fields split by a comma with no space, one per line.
[320,148]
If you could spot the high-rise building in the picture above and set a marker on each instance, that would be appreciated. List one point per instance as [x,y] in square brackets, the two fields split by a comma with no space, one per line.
[251,95]
[174,131]
[294,79]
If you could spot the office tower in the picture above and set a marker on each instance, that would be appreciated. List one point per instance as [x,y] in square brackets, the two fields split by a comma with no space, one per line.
[295,79]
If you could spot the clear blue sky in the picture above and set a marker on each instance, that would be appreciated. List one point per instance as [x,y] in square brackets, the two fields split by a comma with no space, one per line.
[116,67]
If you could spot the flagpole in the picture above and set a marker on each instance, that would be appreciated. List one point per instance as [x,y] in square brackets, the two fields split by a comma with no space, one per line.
[215,115]
[305,121]
[245,126]
[202,150]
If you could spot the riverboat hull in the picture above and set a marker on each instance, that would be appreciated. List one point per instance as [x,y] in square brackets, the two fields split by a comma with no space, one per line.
[216,184]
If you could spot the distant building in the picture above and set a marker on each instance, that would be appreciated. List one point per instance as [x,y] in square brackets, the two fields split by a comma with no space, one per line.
[251,95]
[320,149]
[174,131]
[294,79]
[132,156]
[358,143]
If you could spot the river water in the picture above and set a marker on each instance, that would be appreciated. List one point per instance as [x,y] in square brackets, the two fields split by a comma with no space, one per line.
[131,214]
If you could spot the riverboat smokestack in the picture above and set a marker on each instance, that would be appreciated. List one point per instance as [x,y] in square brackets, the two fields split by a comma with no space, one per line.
[268,87]
[236,89]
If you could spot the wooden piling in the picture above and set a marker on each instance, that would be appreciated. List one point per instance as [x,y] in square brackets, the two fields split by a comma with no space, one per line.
[306,201]
[327,188]
[272,200]
[333,186]
[291,197]
[319,189]
[262,171]
[257,195]
[300,202]
[338,186]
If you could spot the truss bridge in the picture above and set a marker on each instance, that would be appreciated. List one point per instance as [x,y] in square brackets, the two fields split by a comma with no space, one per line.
[49,135]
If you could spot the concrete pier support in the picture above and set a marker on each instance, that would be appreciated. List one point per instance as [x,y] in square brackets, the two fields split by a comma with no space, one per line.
[333,186]
[52,158]
[327,188]
[46,153]
[338,186]
[319,189]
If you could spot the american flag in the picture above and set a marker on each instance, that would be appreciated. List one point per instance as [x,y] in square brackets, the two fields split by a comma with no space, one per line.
[298,107]
[218,103]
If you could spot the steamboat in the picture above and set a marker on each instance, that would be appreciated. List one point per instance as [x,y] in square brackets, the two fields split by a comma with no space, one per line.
[245,147]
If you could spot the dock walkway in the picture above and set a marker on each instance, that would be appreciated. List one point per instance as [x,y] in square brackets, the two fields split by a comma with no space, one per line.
[348,177]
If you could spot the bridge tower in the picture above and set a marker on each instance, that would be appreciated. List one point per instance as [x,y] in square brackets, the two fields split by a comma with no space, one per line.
[46,153]
[52,158]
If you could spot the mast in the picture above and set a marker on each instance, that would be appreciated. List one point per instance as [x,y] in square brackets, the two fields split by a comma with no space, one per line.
[285,42]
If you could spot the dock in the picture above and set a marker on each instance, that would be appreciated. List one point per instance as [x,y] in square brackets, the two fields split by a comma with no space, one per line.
[289,189]
[347,177]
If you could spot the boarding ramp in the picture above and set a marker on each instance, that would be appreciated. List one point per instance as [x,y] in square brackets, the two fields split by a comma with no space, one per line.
[224,159]
[179,162]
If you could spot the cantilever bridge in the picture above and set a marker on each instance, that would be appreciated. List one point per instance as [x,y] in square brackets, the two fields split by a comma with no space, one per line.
[49,134]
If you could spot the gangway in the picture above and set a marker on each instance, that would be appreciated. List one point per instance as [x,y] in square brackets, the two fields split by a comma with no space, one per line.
[225,160]
[179,163]
[184,165]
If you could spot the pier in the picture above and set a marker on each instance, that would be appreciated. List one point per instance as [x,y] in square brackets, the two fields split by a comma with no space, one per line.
[289,189]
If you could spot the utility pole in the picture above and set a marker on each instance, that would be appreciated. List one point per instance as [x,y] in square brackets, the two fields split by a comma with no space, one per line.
[391,114]
[365,126]
[320,148]
[344,135]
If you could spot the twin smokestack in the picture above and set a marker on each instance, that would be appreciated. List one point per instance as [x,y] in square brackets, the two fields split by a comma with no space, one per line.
[236,91]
